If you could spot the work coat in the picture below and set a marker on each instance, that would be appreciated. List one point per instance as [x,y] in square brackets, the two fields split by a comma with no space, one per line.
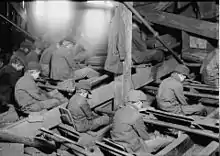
[129,129]
[63,64]
[30,97]
[116,43]
[8,78]
[171,98]
[210,69]
[170,95]
[32,56]
[83,117]
[45,60]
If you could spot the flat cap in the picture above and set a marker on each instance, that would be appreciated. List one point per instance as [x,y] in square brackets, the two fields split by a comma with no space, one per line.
[83,84]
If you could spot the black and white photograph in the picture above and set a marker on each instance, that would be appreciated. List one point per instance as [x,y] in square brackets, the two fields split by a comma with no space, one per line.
[109,78]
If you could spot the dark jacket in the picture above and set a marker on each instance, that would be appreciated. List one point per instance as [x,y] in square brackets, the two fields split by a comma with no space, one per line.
[45,60]
[30,97]
[63,64]
[32,56]
[129,129]
[210,69]
[80,111]
[8,78]
[170,95]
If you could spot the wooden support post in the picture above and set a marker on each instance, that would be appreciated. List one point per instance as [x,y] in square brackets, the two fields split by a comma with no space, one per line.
[187,24]
[127,20]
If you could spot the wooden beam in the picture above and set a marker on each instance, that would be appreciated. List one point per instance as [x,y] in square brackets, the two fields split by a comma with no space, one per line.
[178,147]
[190,94]
[211,150]
[195,26]
[156,35]
[214,136]
[127,23]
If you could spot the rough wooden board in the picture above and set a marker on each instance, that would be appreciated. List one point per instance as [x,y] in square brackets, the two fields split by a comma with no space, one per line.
[127,23]
[209,150]
[99,96]
[199,27]
[11,149]
[177,147]
[208,122]
[25,128]
[214,113]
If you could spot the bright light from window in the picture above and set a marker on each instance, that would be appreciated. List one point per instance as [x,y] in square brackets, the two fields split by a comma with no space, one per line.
[58,10]
[54,14]
[107,3]
[39,8]
[95,25]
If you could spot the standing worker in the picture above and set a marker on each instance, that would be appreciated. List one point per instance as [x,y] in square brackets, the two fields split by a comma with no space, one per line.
[170,97]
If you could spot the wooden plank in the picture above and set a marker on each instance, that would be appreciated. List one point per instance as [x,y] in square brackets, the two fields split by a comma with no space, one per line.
[211,150]
[195,26]
[191,94]
[11,149]
[214,113]
[177,147]
[214,136]
[25,128]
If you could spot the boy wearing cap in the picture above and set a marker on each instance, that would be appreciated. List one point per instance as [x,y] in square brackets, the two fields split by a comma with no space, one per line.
[129,129]
[84,119]
[170,97]
[64,63]
[9,75]
[26,46]
[31,98]
[33,55]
